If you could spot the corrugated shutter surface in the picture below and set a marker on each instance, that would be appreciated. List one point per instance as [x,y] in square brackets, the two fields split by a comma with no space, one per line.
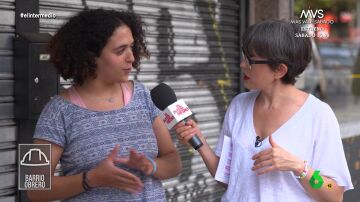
[7,124]
[194,48]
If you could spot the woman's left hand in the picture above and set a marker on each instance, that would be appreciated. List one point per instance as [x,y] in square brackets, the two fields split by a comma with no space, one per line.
[276,158]
[137,161]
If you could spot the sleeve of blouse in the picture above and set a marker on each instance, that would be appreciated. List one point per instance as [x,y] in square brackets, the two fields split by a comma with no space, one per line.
[328,156]
[154,111]
[225,130]
[51,125]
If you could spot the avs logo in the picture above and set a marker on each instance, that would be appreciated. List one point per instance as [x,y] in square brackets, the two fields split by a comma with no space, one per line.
[168,119]
[318,13]
[180,110]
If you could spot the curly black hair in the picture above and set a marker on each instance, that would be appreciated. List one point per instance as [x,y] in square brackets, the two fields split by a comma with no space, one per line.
[76,44]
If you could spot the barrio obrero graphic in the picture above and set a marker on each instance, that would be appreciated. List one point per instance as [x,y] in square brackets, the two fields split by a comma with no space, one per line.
[34,167]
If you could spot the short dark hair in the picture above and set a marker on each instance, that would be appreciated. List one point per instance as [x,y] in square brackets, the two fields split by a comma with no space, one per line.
[76,44]
[276,41]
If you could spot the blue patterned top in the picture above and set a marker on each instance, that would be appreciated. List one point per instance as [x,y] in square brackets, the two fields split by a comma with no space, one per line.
[88,136]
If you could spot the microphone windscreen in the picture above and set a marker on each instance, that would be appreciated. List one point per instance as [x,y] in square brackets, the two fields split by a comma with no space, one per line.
[163,96]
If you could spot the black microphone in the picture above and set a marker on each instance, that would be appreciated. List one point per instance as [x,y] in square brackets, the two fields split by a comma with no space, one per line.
[174,110]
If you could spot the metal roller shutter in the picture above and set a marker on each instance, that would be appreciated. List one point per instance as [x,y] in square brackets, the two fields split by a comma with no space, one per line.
[7,124]
[194,48]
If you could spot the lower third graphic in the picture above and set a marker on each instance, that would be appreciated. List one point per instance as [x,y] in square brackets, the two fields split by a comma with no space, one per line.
[34,167]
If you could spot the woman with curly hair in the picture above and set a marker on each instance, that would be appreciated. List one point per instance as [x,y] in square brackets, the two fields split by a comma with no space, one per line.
[104,129]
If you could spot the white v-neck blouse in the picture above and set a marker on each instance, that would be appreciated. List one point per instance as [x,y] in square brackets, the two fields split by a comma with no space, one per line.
[311,134]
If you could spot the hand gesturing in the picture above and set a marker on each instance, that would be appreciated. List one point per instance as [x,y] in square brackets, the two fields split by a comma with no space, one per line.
[276,158]
[137,161]
[107,174]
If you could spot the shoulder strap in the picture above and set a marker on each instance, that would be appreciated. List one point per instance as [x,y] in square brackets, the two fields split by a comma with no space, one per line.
[127,92]
[75,97]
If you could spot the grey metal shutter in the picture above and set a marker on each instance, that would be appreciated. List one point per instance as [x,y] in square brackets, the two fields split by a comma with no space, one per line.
[7,124]
[194,48]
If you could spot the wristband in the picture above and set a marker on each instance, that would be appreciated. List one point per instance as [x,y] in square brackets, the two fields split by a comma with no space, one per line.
[153,163]
[85,183]
[304,172]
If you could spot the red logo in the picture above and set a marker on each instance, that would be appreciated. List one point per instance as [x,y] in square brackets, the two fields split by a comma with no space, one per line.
[180,109]
[168,119]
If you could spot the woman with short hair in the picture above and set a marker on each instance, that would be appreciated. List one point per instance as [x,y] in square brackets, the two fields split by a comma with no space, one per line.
[280,135]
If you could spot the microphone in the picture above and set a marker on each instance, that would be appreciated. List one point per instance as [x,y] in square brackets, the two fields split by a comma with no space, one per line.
[258,141]
[173,110]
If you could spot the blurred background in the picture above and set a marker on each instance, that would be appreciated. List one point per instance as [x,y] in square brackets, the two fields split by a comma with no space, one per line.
[333,75]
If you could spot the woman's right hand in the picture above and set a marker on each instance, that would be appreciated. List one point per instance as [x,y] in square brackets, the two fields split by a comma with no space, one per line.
[186,131]
[107,174]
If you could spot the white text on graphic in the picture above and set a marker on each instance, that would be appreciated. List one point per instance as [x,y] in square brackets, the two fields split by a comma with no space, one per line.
[34,181]
[38,15]
[313,14]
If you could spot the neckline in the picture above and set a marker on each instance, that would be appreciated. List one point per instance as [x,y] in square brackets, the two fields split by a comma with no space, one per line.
[102,111]
[254,134]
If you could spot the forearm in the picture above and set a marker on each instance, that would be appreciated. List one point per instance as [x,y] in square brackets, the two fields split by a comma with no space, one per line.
[210,159]
[62,187]
[168,166]
[325,193]
[186,132]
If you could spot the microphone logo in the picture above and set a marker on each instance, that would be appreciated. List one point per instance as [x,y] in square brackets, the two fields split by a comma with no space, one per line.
[175,113]
[180,110]
[168,119]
